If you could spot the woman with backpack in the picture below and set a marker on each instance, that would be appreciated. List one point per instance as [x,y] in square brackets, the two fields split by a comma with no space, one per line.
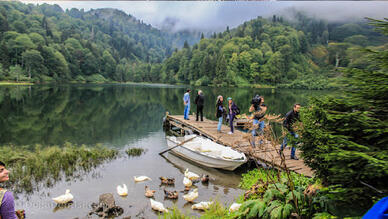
[233,110]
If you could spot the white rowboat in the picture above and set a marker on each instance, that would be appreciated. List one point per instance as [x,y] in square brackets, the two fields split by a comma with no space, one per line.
[206,152]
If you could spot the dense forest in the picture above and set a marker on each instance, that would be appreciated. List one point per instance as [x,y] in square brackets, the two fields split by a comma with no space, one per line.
[304,53]
[46,44]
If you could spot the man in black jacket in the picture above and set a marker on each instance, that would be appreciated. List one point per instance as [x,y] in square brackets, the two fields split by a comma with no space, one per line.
[200,101]
[291,117]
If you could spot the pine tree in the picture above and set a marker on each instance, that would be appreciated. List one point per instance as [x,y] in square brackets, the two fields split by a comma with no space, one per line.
[345,139]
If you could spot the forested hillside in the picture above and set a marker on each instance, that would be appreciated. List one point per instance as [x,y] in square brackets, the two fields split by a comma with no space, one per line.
[45,43]
[304,53]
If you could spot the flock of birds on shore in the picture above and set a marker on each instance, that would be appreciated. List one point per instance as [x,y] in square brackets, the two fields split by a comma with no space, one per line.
[188,179]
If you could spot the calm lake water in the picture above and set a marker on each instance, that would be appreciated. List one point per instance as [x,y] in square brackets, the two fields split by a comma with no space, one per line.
[120,116]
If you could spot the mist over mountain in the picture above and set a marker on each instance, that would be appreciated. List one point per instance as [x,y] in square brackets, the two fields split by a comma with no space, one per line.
[216,16]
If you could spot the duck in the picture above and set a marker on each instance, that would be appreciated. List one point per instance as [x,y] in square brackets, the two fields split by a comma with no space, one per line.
[63,199]
[141,178]
[191,196]
[149,193]
[122,190]
[187,182]
[205,178]
[167,181]
[157,206]
[170,195]
[202,206]
[234,207]
[191,175]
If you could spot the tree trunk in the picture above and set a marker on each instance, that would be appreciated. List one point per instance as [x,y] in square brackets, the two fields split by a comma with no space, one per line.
[337,60]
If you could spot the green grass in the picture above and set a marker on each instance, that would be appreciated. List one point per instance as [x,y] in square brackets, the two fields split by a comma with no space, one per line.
[30,166]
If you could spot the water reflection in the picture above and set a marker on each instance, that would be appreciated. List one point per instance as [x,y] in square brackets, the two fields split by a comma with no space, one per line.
[121,116]
[217,177]
[110,114]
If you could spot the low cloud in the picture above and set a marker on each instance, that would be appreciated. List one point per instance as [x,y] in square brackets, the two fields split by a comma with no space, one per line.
[215,16]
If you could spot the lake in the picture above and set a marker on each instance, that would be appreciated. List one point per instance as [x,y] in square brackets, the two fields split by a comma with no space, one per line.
[120,116]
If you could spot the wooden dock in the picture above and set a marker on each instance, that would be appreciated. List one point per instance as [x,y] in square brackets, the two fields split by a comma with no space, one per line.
[266,153]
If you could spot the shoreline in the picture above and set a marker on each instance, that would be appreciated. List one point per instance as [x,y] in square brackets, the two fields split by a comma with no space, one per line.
[257,86]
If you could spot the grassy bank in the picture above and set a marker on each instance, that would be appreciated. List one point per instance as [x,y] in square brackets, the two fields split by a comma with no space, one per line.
[15,83]
[31,166]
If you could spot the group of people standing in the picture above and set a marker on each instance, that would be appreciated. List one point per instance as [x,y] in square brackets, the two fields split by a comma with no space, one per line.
[258,110]
[230,112]
[221,111]
[199,101]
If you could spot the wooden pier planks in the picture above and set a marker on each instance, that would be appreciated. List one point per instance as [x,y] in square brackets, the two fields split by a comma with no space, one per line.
[265,153]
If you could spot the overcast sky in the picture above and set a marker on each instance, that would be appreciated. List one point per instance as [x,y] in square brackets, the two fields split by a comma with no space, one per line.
[215,16]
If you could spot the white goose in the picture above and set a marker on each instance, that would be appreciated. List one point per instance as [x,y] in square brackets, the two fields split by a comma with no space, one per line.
[187,182]
[63,199]
[191,196]
[191,175]
[141,178]
[202,206]
[157,206]
[122,190]
[234,207]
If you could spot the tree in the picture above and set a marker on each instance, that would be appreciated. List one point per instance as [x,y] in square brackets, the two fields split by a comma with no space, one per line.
[345,139]
[221,69]
[18,45]
[337,53]
[2,72]
[37,39]
[33,63]
[186,45]
[16,72]
[109,64]
[357,40]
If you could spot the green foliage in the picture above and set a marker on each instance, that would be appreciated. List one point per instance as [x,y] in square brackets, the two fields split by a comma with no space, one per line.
[45,40]
[66,44]
[278,195]
[31,165]
[95,78]
[134,152]
[252,177]
[2,72]
[242,56]
[16,73]
[345,138]
[174,213]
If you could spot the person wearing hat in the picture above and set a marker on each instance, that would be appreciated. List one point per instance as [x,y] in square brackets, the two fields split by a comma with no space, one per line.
[186,102]
[258,109]
[233,110]
[7,205]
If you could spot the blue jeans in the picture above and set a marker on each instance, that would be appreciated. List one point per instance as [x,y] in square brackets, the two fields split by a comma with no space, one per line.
[284,144]
[261,128]
[187,111]
[231,118]
[219,124]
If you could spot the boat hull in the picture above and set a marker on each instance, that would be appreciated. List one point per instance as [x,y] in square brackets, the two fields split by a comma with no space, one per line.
[204,160]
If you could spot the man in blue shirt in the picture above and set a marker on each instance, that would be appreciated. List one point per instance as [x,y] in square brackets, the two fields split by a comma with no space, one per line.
[186,102]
